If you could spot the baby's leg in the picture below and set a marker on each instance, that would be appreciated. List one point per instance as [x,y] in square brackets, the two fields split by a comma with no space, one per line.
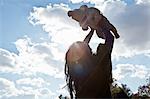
[114,30]
[116,35]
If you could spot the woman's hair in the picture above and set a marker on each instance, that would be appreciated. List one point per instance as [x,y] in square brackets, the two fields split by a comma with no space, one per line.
[78,51]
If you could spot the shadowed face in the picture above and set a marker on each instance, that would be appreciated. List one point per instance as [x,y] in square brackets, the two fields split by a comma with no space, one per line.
[77,51]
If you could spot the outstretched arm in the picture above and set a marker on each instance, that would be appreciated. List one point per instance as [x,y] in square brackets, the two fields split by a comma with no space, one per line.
[89,36]
[109,41]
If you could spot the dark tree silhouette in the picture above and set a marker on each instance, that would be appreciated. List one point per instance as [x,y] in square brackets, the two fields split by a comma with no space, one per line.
[126,90]
[120,91]
[144,91]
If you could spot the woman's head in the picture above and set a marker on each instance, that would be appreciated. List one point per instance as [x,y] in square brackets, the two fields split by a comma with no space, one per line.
[77,51]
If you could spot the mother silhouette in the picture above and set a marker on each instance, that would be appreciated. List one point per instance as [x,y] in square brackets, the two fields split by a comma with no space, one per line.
[89,75]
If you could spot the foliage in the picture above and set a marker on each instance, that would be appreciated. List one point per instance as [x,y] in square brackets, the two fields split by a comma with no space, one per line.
[143,91]
[123,91]
[120,91]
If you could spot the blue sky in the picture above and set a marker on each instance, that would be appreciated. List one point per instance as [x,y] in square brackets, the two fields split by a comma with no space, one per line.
[34,36]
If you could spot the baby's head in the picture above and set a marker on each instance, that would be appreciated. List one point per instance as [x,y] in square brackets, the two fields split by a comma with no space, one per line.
[79,15]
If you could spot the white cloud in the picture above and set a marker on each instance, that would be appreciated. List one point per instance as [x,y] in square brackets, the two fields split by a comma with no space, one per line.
[45,93]
[142,1]
[7,88]
[6,56]
[147,54]
[33,59]
[78,1]
[38,93]
[35,82]
[63,89]
[54,20]
[86,1]
[130,70]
